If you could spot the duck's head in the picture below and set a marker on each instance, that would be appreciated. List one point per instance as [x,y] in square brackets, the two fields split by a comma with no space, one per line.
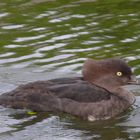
[110,74]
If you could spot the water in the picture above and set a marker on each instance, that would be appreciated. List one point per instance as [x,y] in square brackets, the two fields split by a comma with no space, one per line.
[44,39]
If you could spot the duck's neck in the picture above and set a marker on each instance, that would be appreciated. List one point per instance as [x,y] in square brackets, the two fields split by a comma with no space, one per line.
[120,92]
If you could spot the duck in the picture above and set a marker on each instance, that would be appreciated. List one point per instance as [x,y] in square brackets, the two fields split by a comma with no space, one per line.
[98,94]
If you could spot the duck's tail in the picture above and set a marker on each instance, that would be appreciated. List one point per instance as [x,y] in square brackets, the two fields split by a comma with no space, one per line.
[44,102]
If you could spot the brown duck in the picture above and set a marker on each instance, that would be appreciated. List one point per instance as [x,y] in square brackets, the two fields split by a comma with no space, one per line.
[98,95]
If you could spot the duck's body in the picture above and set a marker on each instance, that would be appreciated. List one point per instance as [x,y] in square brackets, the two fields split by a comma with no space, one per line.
[77,96]
[71,95]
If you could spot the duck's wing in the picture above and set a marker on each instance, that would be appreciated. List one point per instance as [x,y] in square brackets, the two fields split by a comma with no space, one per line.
[78,90]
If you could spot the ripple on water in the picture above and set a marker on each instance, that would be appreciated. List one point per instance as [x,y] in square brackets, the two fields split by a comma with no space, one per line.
[8,122]
[23,39]
[48,126]
[21,58]
[67,36]
[38,29]
[3,15]
[128,40]
[51,47]
[46,14]
[55,58]
[13,46]
[8,54]
[66,18]
[10,27]
[63,67]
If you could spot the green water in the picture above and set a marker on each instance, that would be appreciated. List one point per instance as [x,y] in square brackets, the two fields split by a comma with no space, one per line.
[44,39]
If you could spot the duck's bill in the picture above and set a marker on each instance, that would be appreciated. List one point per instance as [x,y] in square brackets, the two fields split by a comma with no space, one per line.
[134,81]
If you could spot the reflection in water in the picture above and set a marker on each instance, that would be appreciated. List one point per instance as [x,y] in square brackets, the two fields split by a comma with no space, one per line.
[68,127]
[45,39]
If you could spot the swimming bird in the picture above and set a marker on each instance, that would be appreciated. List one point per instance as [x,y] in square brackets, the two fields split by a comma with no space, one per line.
[97,95]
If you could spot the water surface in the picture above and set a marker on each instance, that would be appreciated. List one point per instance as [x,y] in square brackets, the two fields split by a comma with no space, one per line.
[45,39]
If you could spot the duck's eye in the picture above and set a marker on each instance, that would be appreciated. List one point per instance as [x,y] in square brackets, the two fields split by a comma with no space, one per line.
[119,73]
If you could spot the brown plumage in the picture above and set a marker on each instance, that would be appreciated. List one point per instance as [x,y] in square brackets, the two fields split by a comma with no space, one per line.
[97,95]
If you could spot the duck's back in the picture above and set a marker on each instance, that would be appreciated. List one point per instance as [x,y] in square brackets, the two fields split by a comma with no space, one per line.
[47,95]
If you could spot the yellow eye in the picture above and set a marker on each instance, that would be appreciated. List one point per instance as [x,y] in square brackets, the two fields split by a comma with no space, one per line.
[119,73]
